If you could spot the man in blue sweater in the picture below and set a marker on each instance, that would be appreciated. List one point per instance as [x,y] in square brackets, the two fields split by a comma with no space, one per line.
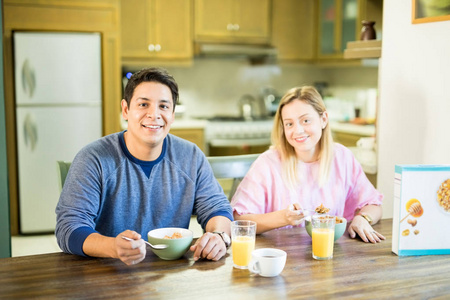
[130,182]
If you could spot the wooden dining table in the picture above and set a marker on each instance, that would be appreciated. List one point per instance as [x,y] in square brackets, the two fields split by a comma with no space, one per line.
[358,270]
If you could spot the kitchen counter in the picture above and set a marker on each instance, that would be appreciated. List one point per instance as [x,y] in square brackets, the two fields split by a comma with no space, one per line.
[189,124]
[362,130]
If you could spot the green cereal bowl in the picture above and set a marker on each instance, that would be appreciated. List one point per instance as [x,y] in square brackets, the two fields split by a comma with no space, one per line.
[176,247]
[339,228]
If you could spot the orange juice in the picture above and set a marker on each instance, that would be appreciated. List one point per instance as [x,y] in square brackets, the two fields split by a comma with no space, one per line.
[242,247]
[322,242]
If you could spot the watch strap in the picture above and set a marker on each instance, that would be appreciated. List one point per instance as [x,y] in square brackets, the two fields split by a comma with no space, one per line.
[226,239]
[366,216]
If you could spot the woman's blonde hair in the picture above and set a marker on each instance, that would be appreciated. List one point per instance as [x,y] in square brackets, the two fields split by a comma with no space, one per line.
[289,160]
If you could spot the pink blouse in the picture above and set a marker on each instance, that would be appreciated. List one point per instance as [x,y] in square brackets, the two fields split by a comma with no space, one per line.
[348,189]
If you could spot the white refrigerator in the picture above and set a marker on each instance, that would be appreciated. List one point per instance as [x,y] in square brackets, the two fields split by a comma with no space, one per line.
[58,98]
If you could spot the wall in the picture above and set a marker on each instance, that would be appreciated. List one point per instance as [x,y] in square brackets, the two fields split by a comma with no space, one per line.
[414,104]
[214,86]
[5,237]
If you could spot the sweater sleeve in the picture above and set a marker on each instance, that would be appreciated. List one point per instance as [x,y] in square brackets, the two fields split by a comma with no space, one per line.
[79,203]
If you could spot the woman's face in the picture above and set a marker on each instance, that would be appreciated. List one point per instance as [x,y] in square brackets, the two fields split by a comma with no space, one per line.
[303,128]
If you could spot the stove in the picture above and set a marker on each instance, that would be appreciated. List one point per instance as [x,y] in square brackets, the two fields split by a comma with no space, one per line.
[235,132]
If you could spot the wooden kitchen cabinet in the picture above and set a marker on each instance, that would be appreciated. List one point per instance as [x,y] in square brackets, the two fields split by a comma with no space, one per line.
[232,21]
[236,150]
[346,139]
[156,30]
[294,29]
[340,23]
[194,135]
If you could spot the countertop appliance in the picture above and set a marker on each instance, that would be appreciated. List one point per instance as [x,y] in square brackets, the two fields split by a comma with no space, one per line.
[58,98]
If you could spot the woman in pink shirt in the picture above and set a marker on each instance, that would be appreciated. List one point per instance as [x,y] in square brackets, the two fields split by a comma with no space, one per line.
[305,168]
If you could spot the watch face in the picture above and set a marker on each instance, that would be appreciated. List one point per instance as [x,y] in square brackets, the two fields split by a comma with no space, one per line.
[226,239]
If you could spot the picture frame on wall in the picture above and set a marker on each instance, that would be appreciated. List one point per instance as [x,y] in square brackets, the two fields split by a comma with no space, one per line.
[424,11]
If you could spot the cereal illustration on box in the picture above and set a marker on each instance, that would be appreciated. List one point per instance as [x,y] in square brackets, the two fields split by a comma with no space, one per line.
[421,210]
[443,195]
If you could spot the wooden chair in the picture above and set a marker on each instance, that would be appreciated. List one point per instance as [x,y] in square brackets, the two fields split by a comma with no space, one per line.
[232,167]
[63,168]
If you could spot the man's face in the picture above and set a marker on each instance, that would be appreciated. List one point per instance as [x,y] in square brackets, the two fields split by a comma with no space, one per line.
[149,116]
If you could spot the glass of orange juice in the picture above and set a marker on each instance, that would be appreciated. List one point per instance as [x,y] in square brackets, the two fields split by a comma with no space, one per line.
[322,236]
[242,242]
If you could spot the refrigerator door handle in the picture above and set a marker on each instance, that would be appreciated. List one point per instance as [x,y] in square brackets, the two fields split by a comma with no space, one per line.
[28,78]
[30,132]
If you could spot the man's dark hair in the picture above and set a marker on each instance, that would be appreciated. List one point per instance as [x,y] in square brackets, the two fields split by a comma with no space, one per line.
[159,75]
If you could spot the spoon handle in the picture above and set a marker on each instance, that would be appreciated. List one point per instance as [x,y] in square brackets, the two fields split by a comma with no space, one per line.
[153,246]
[127,238]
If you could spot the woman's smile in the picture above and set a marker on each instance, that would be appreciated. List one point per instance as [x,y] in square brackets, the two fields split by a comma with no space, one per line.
[301,139]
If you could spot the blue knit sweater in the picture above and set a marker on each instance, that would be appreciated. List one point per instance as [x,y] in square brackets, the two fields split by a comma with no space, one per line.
[107,191]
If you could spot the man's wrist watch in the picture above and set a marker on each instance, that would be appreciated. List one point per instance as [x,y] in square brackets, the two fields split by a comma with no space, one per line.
[366,216]
[225,237]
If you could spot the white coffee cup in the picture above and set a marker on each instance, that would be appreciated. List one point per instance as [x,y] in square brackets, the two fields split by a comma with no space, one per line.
[267,262]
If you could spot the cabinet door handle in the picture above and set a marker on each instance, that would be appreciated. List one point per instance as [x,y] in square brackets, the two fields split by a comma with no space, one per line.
[230,27]
[236,27]
[157,47]
[151,47]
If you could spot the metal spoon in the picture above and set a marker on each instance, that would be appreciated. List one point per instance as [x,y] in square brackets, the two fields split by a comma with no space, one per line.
[157,247]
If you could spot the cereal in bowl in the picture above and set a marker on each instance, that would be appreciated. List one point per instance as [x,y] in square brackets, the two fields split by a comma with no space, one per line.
[175,235]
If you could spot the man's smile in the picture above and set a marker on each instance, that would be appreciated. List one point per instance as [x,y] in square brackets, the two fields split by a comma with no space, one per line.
[152,126]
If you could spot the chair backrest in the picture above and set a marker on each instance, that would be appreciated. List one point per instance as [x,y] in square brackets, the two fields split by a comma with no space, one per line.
[63,169]
[234,167]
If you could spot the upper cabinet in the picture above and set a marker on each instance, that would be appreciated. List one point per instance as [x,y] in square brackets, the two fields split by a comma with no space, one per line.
[294,29]
[338,20]
[340,23]
[156,30]
[232,21]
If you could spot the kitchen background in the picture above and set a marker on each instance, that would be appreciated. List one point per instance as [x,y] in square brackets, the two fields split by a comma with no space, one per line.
[402,77]
[138,34]
[205,91]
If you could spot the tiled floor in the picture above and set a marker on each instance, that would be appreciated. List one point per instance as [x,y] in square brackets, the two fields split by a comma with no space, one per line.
[36,244]
[39,244]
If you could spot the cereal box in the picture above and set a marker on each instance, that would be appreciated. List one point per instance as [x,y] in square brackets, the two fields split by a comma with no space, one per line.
[421,219]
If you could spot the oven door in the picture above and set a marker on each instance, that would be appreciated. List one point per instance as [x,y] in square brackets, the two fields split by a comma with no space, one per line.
[234,146]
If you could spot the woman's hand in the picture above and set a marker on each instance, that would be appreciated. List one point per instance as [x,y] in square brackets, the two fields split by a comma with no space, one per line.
[361,227]
[294,214]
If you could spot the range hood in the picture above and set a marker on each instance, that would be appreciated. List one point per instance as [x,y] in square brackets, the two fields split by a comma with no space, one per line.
[236,50]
